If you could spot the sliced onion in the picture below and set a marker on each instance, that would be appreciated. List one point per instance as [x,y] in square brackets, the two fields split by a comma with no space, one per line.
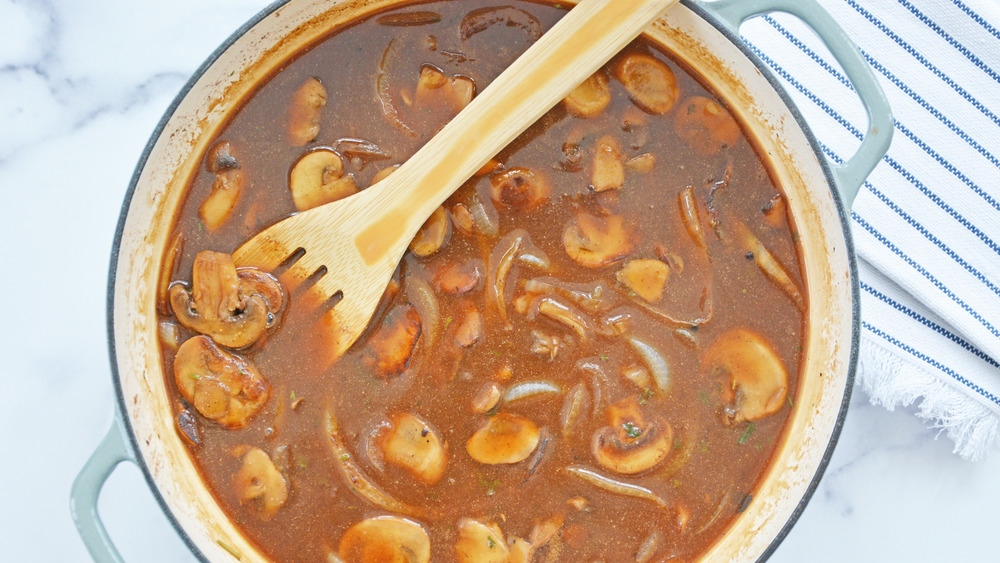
[359,483]
[421,295]
[562,313]
[501,261]
[485,217]
[573,407]
[655,361]
[535,258]
[482,19]
[385,95]
[530,389]
[588,296]
[615,486]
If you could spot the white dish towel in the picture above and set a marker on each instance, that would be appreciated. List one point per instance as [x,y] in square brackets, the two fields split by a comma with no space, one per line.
[927,223]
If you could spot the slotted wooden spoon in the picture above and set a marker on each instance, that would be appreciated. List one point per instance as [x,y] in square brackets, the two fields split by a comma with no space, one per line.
[351,247]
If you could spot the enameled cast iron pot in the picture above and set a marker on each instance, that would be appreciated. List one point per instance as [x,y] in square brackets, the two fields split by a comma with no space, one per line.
[701,34]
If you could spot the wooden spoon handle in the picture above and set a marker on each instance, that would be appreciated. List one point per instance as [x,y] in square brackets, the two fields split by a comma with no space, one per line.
[579,44]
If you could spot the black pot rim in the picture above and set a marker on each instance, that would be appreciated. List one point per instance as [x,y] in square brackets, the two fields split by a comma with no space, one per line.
[690,4]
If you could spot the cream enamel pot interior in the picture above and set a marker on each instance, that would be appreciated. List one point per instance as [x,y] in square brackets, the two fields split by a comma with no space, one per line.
[700,34]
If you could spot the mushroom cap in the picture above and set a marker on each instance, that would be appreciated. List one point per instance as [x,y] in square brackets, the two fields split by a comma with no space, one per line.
[521,188]
[412,444]
[590,98]
[631,456]
[233,307]
[385,539]
[304,112]
[594,242]
[318,178]
[650,83]
[630,444]
[432,235]
[258,478]
[758,380]
[503,438]
[221,386]
[480,543]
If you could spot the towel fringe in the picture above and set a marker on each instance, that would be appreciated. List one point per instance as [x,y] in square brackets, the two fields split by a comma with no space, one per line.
[891,381]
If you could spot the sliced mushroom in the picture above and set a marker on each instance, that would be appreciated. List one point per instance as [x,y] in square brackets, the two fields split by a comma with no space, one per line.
[221,157]
[412,444]
[219,204]
[305,111]
[645,277]
[503,438]
[318,178]
[220,305]
[705,125]
[545,345]
[462,219]
[774,212]
[392,345]
[223,387]
[609,168]
[758,380]
[630,444]
[259,480]
[436,90]
[258,282]
[470,329]
[590,98]
[457,278]
[520,188]
[385,539]
[594,242]
[650,83]
[432,235]
[487,398]
[642,163]
[480,543]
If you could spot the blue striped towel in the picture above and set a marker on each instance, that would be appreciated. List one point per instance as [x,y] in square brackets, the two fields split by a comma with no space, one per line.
[927,222]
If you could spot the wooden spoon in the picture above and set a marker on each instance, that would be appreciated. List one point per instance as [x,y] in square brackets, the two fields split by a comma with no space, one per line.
[351,247]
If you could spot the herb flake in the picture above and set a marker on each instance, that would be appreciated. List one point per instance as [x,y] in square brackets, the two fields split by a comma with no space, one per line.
[631,430]
[746,433]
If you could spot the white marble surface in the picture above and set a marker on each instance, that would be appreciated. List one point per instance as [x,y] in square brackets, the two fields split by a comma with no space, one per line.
[82,86]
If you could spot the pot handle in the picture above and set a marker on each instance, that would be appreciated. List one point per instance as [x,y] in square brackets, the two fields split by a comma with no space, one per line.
[113,450]
[849,175]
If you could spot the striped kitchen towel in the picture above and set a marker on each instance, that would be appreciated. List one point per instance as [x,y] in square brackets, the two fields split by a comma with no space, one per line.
[927,222]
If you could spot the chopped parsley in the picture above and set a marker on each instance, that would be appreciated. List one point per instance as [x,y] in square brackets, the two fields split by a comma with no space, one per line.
[647,394]
[194,376]
[447,321]
[604,357]
[345,457]
[678,444]
[293,395]
[746,433]
[490,486]
[631,431]
[492,543]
